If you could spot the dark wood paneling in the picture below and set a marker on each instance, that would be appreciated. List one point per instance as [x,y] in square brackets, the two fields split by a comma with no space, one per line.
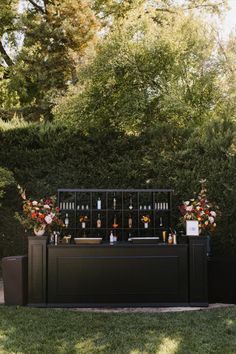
[117,274]
[37,269]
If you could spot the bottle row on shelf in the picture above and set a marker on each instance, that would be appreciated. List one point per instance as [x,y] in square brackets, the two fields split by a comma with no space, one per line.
[129,222]
[98,206]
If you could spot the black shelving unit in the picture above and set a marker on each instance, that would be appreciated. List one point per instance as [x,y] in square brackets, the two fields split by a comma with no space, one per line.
[156,203]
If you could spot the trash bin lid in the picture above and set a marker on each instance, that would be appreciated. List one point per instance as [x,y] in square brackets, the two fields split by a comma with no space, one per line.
[13,258]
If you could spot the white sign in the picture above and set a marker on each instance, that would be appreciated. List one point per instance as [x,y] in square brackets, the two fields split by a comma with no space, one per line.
[192,228]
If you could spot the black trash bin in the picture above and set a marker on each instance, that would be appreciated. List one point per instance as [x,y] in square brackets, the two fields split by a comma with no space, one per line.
[15,279]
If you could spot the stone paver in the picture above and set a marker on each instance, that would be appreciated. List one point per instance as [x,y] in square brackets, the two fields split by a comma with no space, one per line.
[150,309]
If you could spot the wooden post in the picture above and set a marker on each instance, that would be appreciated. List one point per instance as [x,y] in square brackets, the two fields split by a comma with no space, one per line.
[37,253]
[198,292]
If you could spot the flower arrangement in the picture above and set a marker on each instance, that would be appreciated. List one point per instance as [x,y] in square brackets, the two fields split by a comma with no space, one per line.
[200,209]
[145,219]
[39,214]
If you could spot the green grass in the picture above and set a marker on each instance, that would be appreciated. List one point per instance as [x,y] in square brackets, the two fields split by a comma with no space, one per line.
[34,331]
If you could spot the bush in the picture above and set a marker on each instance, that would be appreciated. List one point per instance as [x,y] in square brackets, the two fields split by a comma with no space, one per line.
[46,157]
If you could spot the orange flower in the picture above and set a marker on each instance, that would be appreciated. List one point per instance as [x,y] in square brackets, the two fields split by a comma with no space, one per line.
[33,215]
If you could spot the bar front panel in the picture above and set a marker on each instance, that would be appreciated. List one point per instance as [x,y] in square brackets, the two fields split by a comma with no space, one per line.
[146,273]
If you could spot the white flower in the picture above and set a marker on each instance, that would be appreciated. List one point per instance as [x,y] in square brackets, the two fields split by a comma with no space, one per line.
[206,223]
[48,219]
[202,213]
[198,208]
[214,224]
[213,213]
[46,206]
[186,203]
[211,219]
[189,208]
[35,202]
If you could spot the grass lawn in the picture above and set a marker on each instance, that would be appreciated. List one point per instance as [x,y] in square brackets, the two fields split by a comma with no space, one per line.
[27,330]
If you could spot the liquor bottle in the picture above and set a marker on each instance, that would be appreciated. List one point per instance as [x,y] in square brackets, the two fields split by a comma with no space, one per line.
[99,222]
[114,236]
[111,238]
[99,203]
[66,220]
[164,236]
[174,239]
[114,202]
[161,223]
[130,221]
[170,239]
[115,225]
[56,239]
[130,203]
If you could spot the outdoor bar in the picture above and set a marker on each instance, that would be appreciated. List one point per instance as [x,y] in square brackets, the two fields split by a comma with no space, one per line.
[118,247]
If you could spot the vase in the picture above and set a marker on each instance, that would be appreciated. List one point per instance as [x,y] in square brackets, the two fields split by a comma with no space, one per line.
[146,225]
[207,234]
[40,230]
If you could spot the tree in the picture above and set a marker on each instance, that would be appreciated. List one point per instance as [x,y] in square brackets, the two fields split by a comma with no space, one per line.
[55,35]
[147,72]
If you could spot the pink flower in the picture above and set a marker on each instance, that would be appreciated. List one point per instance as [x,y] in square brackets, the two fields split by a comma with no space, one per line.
[46,206]
[189,208]
[213,213]
[211,219]
[48,219]
[34,202]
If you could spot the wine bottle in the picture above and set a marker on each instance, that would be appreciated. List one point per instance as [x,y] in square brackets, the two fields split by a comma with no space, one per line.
[130,203]
[161,223]
[66,220]
[99,222]
[115,225]
[111,238]
[114,236]
[130,221]
[99,203]
[114,202]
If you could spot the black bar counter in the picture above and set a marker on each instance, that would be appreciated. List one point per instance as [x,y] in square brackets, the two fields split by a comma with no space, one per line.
[123,273]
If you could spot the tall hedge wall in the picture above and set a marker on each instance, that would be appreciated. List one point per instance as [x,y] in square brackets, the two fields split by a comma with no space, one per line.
[44,158]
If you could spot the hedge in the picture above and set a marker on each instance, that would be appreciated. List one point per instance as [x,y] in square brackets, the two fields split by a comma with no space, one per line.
[44,158]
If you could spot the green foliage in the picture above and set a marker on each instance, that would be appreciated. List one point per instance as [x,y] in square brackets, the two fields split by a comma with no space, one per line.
[46,157]
[155,108]
[6,179]
[146,73]
[55,36]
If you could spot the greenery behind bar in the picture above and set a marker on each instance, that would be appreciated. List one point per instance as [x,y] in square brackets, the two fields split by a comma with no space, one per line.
[150,104]
[44,158]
